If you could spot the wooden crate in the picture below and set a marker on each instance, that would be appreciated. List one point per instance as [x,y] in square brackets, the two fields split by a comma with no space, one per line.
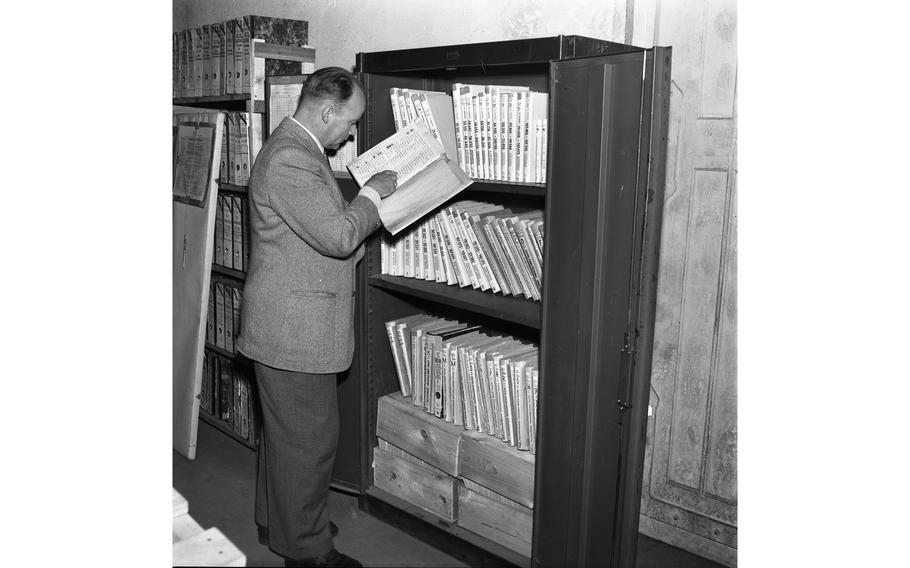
[498,466]
[429,438]
[498,519]
[422,485]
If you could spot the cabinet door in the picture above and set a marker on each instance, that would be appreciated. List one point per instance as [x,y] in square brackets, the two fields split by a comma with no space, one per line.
[604,188]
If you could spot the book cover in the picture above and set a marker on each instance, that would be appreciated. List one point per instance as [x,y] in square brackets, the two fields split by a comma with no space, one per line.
[439,110]
[426,176]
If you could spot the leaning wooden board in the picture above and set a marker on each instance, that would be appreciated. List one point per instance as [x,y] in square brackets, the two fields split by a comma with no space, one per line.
[194,546]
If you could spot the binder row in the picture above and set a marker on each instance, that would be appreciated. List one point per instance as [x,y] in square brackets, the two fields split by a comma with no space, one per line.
[219,59]
[471,243]
[226,394]
[463,375]
[501,132]
[243,139]
[232,232]
[223,315]
[495,132]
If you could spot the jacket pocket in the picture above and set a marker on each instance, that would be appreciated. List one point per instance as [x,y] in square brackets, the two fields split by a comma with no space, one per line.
[308,328]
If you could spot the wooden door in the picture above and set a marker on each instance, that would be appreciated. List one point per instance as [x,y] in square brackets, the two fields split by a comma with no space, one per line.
[689,491]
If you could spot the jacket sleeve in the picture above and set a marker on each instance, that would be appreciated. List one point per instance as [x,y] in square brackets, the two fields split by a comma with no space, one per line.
[303,199]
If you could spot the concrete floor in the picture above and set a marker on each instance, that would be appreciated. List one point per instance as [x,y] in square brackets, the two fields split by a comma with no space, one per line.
[219,486]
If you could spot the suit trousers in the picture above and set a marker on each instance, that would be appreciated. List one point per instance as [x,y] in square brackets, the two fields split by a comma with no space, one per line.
[296,458]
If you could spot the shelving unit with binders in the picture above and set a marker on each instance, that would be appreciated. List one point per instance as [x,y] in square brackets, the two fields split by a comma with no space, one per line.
[224,67]
[576,500]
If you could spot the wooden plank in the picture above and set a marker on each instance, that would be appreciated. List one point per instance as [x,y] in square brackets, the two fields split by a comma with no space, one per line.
[185,527]
[509,525]
[497,466]
[410,428]
[698,323]
[426,488]
[284,52]
[208,548]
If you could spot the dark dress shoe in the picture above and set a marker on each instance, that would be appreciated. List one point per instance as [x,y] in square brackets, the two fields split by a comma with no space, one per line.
[332,558]
[264,533]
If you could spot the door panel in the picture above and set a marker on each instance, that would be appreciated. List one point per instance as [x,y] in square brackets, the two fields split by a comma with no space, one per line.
[689,493]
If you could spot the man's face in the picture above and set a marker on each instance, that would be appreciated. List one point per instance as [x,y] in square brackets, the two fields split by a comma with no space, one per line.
[343,122]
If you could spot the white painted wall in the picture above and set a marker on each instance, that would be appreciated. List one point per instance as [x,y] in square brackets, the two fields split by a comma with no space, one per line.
[339,29]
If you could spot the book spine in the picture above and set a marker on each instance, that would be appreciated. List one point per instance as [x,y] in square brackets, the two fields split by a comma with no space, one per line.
[236,298]
[439,376]
[216,87]
[493,102]
[488,225]
[511,261]
[404,352]
[467,395]
[239,52]
[480,121]
[505,367]
[436,251]
[477,277]
[393,96]
[457,397]
[479,391]
[533,422]
[520,119]
[403,383]
[491,263]
[429,383]
[491,368]
[226,398]
[229,83]
[237,219]
[228,291]
[464,250]
[207,60]
[210,316]
[467,129]
[227,214]
[459,140]
[416,369]
[486,271]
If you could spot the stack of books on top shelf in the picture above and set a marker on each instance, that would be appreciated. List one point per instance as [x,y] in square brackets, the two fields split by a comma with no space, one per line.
[232,232]
[233,57]
[223,315]
[226,394]
[471,243]
[460,374]
[495,132]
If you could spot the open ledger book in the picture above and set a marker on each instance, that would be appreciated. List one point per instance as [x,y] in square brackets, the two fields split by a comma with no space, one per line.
[427,178]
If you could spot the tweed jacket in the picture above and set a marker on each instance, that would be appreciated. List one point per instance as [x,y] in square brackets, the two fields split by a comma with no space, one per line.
[297,312]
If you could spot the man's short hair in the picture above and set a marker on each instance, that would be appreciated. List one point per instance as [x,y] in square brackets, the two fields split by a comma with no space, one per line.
[329,84]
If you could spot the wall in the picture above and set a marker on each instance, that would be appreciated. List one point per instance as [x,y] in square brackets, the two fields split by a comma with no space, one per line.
[339,29]
[689,493]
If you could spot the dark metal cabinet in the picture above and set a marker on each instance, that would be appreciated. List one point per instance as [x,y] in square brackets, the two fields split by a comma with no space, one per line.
[602,200]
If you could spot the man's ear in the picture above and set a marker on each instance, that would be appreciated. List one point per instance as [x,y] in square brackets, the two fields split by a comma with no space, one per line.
[327,111]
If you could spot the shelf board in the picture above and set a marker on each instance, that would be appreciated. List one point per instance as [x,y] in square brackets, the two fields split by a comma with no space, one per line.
[451,528]
[225,100]
[225,271]
[222,186]
[508,187]
[224,428]
[508,308]
[220,351]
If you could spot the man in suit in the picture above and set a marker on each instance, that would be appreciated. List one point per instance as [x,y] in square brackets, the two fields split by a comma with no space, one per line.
[297,312]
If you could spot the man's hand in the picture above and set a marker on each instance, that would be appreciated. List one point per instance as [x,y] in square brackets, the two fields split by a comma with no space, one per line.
[384,183]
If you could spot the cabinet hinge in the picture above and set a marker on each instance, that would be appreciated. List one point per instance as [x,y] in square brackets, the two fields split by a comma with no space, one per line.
[626,348]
